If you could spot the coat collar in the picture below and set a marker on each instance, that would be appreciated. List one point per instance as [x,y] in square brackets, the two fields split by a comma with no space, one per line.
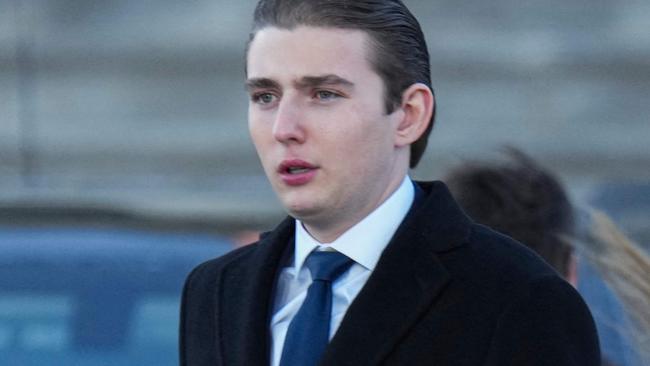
[407,279]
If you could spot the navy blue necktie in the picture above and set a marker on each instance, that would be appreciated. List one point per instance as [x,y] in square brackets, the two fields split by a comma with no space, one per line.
[308,332]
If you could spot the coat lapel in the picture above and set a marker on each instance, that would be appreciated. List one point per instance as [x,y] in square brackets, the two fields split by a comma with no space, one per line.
[407,280]
[246,299]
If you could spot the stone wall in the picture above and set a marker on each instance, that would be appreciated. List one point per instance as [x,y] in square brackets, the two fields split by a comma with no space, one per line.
[140,104]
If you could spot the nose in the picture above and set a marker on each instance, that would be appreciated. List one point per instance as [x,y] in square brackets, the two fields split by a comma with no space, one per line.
[288,127]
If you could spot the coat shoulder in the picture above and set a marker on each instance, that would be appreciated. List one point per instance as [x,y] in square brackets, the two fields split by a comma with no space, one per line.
[498,269]
[520,300]
[211,269]
[503,256]
[198,337]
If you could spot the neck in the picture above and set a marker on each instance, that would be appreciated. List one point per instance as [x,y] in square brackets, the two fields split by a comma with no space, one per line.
[327,234]
[328,230]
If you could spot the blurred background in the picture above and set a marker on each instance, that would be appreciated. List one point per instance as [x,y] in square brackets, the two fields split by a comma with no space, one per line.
[131,116]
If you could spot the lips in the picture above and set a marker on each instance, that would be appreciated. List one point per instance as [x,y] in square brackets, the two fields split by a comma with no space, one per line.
[296,172]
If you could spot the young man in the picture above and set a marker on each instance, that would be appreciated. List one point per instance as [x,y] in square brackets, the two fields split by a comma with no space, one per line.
[369,268]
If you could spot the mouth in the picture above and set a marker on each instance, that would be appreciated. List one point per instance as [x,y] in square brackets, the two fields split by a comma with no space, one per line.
[295,166]
[296,172]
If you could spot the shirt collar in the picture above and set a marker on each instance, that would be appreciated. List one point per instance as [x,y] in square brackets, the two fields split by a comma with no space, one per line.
[365,241]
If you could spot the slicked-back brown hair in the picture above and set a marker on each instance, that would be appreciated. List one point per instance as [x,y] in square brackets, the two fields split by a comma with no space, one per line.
[400,56]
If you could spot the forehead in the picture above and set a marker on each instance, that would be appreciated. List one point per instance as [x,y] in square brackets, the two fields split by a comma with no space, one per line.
[306,50]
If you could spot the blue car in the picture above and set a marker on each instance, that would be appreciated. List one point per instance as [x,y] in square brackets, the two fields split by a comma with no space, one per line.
[86,297]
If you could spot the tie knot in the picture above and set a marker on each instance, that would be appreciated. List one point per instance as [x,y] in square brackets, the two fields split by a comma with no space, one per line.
[327,266]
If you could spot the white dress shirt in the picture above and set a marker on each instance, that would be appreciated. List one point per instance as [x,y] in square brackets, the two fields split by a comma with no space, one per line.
[363,243]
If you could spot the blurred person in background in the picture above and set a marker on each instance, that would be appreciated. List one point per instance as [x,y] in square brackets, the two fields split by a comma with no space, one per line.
[519,198]
[369,268]
[625,267]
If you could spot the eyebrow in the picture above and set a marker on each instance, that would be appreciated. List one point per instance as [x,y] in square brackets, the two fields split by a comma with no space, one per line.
[261,83]
[322,80]
[305,82]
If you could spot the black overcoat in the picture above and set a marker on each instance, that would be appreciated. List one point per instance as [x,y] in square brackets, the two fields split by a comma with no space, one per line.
[446,291]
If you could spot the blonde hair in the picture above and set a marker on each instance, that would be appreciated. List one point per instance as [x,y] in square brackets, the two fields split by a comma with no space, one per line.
[625,267]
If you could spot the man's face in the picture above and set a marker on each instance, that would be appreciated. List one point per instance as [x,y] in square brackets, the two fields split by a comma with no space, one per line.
[317,119]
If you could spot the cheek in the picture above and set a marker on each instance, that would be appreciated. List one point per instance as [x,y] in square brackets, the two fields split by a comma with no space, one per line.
[260,138]
[257,129]
[369,134]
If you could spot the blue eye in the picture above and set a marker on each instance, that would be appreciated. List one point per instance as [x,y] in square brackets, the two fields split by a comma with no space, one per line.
[263,98]
[326,95]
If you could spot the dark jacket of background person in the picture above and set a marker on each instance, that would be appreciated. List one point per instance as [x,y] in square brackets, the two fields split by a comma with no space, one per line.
[446,291]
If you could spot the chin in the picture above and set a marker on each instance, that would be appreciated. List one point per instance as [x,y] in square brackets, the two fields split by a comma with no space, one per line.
[302,210]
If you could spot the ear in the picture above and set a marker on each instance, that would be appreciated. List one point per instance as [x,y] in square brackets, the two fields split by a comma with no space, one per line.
[417,107]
